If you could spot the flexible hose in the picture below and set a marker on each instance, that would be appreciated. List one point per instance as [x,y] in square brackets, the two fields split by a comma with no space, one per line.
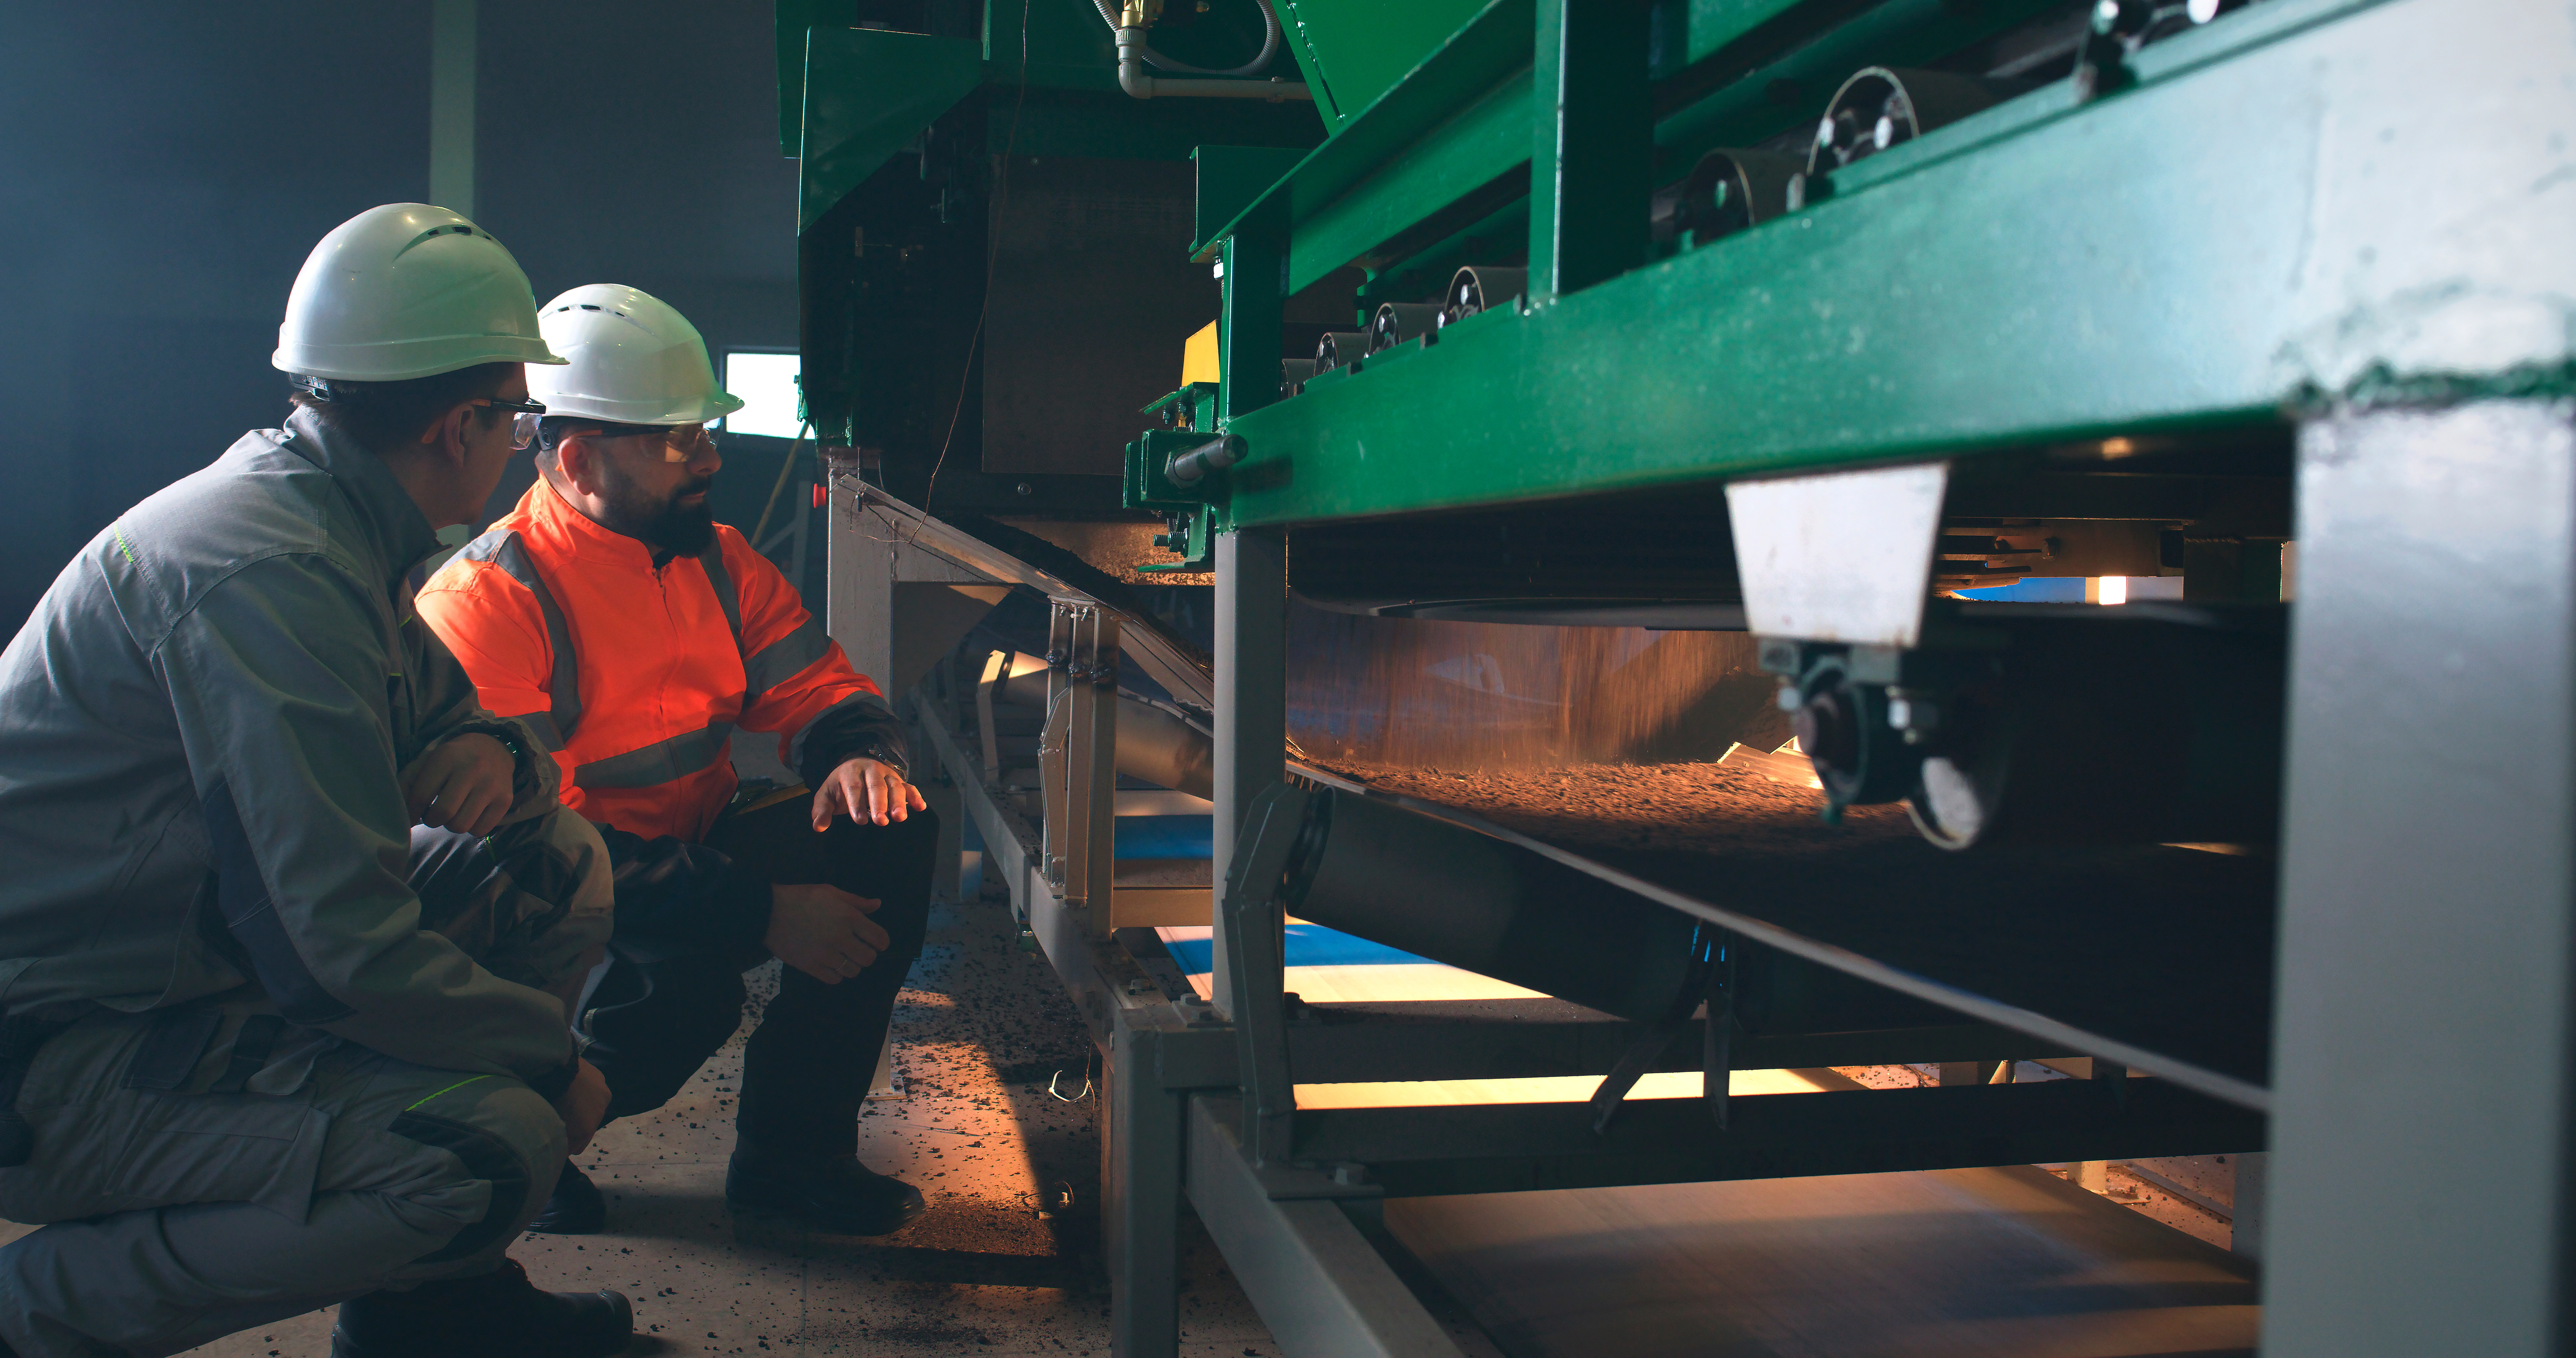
[1269,46]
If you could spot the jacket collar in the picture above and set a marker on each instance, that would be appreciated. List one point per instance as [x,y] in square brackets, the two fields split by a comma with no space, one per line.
[387,516]
[562,520]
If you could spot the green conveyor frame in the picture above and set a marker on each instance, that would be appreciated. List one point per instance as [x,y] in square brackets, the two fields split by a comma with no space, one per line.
[2304,201]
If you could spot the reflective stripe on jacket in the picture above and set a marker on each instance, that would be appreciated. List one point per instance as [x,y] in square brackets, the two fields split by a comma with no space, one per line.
[636,677]
[201,729]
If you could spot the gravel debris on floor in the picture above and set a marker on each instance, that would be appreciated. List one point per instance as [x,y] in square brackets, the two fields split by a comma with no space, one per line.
[1006,1263]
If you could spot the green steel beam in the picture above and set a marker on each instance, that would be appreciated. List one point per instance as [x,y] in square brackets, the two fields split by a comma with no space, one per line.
[868,94]
[1486,52]
[1710,26]
[790,21]
[1230,178]
[2312,196]
[1485,140]
[1779,75]
[1462,119]
[1248,337]
[1353,51]
[1592,154]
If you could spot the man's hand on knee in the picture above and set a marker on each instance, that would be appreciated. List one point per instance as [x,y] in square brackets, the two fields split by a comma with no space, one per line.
[583,1104]
[823,931]
[462,783]
[867,791]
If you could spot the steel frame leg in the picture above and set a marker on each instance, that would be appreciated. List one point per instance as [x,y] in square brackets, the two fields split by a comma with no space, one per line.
[1251,699]
[1140,1185]
[2419,1192]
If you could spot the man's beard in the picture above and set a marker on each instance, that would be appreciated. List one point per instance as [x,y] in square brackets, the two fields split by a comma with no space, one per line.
[664,525]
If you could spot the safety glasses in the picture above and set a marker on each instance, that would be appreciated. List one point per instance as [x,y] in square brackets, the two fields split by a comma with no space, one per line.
[679,443]
[524,413]
[523,418]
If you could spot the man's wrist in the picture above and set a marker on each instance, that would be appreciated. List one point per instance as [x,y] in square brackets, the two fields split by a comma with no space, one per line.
[551,1085]
[877,752]
[525,774]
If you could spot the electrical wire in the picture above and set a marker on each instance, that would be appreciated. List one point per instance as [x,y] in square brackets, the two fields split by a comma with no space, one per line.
[1269,46]
[780,484]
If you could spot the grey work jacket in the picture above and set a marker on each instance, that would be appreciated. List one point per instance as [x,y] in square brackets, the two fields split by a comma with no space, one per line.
[201,729]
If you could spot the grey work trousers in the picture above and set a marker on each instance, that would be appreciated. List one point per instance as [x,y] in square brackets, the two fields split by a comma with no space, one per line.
[199,1182]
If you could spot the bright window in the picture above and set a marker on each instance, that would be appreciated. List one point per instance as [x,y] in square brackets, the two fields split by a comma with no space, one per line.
[767,385]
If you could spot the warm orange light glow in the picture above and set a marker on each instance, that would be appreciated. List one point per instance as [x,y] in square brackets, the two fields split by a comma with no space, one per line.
[2114,589]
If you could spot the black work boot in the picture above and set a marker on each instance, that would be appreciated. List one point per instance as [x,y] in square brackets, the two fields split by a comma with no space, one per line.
[577,1207]
[499,1314]
[828,1192]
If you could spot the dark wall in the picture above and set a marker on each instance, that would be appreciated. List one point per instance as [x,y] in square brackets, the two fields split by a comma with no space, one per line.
[636,142]
[165,168]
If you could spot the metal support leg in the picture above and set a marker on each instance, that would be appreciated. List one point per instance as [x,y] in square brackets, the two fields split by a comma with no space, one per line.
[1317,1282]
[2426,1022]
[859,593]
[1140,1184]
[1251,697]
[1078,757]
[941,792]
[1252,929]
[2246,1221]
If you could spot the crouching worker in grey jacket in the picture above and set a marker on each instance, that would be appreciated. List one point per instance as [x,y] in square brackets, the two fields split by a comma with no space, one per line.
[289,924]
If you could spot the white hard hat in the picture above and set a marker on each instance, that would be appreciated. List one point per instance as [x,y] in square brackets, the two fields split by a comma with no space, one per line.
[633,360]
[407,290]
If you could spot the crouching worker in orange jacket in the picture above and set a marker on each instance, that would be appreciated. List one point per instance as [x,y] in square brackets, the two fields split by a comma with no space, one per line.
[635,634]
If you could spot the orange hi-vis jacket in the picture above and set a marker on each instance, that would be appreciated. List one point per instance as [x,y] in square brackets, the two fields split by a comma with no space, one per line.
[636,677]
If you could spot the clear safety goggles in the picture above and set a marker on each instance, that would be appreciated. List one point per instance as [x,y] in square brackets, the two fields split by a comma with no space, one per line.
[679,442]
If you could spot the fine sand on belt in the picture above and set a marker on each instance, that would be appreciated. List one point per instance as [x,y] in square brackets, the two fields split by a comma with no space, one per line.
[1685,808]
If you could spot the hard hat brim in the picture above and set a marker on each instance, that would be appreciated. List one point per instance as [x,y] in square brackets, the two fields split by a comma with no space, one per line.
[714,406]
[405,360]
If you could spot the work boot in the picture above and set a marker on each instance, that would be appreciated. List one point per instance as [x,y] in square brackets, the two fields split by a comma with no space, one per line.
[499,1314]
[577,1207]
[828,1192]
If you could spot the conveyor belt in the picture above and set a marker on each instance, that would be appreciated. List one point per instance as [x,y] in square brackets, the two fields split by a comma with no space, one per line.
[1963,1263]
[2055,942]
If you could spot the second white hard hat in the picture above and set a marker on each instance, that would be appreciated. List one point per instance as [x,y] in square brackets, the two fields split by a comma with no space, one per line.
[634,360]
[403,291]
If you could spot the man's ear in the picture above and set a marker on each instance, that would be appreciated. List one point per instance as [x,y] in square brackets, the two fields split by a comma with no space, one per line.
[446,438]
[577,460]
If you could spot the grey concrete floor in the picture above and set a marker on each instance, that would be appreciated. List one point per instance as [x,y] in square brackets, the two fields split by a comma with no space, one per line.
[1000,1266]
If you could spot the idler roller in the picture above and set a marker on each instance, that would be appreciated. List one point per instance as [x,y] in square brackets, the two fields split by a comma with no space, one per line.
[1480,288]
[1397,322]
[2123,730]
[1445,892]
[1843,728]
[2061,725]
[1340,348]
[1293,373]
[1880,107]
[1153,745]
[1731,190]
